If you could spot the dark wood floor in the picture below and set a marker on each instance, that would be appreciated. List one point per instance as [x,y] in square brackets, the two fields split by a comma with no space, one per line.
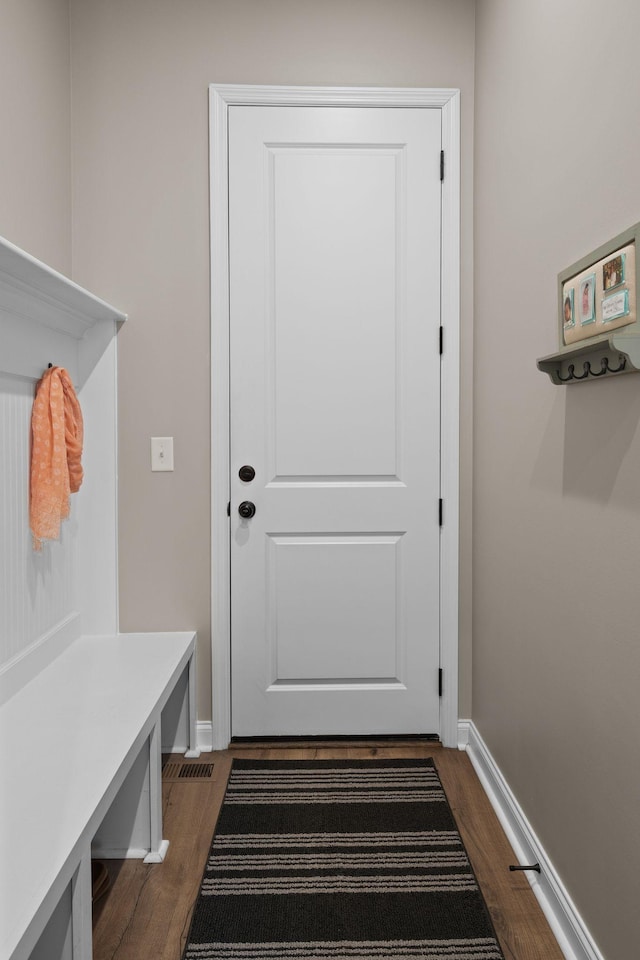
[147,911]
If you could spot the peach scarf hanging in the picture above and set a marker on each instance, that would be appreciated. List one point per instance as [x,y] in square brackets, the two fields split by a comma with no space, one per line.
[56,471]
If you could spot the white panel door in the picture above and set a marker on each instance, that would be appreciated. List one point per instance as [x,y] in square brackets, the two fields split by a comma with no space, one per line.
[334,244]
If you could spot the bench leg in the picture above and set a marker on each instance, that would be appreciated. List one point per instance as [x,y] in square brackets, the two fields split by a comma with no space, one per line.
[67,934]
[132,827]
[157,846]
[81,909]
[193,750]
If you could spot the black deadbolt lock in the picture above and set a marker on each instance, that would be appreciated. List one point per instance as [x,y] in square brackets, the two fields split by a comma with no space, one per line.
[246,473]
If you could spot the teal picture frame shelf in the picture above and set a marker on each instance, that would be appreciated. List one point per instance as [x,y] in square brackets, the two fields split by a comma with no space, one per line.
[613,352]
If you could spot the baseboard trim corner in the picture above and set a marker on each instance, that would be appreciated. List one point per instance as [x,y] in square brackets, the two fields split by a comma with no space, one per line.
[204,736]
[464,727]
[567,925]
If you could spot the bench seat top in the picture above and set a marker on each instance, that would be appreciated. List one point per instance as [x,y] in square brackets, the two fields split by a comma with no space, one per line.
[67,740]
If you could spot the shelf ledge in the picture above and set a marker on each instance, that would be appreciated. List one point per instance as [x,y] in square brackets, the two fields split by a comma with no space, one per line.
[37,300]
[603,357]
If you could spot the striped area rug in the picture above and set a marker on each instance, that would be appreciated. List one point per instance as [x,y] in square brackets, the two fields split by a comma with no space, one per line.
[338,860]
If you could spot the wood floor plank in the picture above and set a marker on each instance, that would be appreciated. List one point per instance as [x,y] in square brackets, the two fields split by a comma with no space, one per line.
[147,911]
[522,929]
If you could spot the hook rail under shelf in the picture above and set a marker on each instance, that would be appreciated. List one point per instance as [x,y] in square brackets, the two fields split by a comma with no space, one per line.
[606,356]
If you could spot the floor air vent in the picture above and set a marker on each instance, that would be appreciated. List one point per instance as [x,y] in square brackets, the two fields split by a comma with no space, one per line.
[176,771]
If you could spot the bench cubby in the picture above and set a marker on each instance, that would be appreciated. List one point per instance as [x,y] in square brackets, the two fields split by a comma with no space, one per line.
[85,710]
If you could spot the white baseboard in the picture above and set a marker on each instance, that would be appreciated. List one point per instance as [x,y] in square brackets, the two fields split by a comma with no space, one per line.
[204,741]
[157,856]
[99,852]
[204,735]
[464,727]
[567,925]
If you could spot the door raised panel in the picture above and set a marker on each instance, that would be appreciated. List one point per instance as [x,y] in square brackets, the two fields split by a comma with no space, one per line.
[336,303]
[333,609]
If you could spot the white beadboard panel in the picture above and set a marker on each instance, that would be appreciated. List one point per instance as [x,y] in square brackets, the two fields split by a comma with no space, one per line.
[37,590]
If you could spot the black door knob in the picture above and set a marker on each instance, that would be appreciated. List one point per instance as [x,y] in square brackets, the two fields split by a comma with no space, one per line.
[246,473]
[247,509]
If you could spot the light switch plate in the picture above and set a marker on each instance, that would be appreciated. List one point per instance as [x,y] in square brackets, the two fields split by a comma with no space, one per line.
[162,453]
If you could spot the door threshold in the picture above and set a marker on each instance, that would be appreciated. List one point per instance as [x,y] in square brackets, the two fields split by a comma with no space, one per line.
[409,739]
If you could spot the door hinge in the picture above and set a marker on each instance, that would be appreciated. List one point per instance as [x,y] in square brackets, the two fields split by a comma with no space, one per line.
[229,509]
[442,164]
[440,682]
[440,510]
[441,340]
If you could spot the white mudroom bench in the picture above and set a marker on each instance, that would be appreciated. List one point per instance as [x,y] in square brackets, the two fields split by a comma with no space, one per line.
[80,755]
[85,709]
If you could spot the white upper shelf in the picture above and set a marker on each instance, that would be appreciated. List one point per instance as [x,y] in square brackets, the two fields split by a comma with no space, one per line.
[32,291]
[45,318]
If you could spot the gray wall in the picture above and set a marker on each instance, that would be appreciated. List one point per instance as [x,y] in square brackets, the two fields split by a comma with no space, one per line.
[35,146]
[140,231]
[556,500]
[557,470]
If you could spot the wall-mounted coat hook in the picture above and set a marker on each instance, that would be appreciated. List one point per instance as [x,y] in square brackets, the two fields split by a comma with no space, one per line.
[622,364]
[604,367]
[587,371]
[531,866]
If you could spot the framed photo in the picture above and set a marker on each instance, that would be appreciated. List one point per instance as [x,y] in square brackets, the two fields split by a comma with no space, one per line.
[568,312]
[587,299]
[613,272]
[615,306]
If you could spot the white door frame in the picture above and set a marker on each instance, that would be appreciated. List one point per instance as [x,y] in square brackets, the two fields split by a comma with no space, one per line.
[221,97]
